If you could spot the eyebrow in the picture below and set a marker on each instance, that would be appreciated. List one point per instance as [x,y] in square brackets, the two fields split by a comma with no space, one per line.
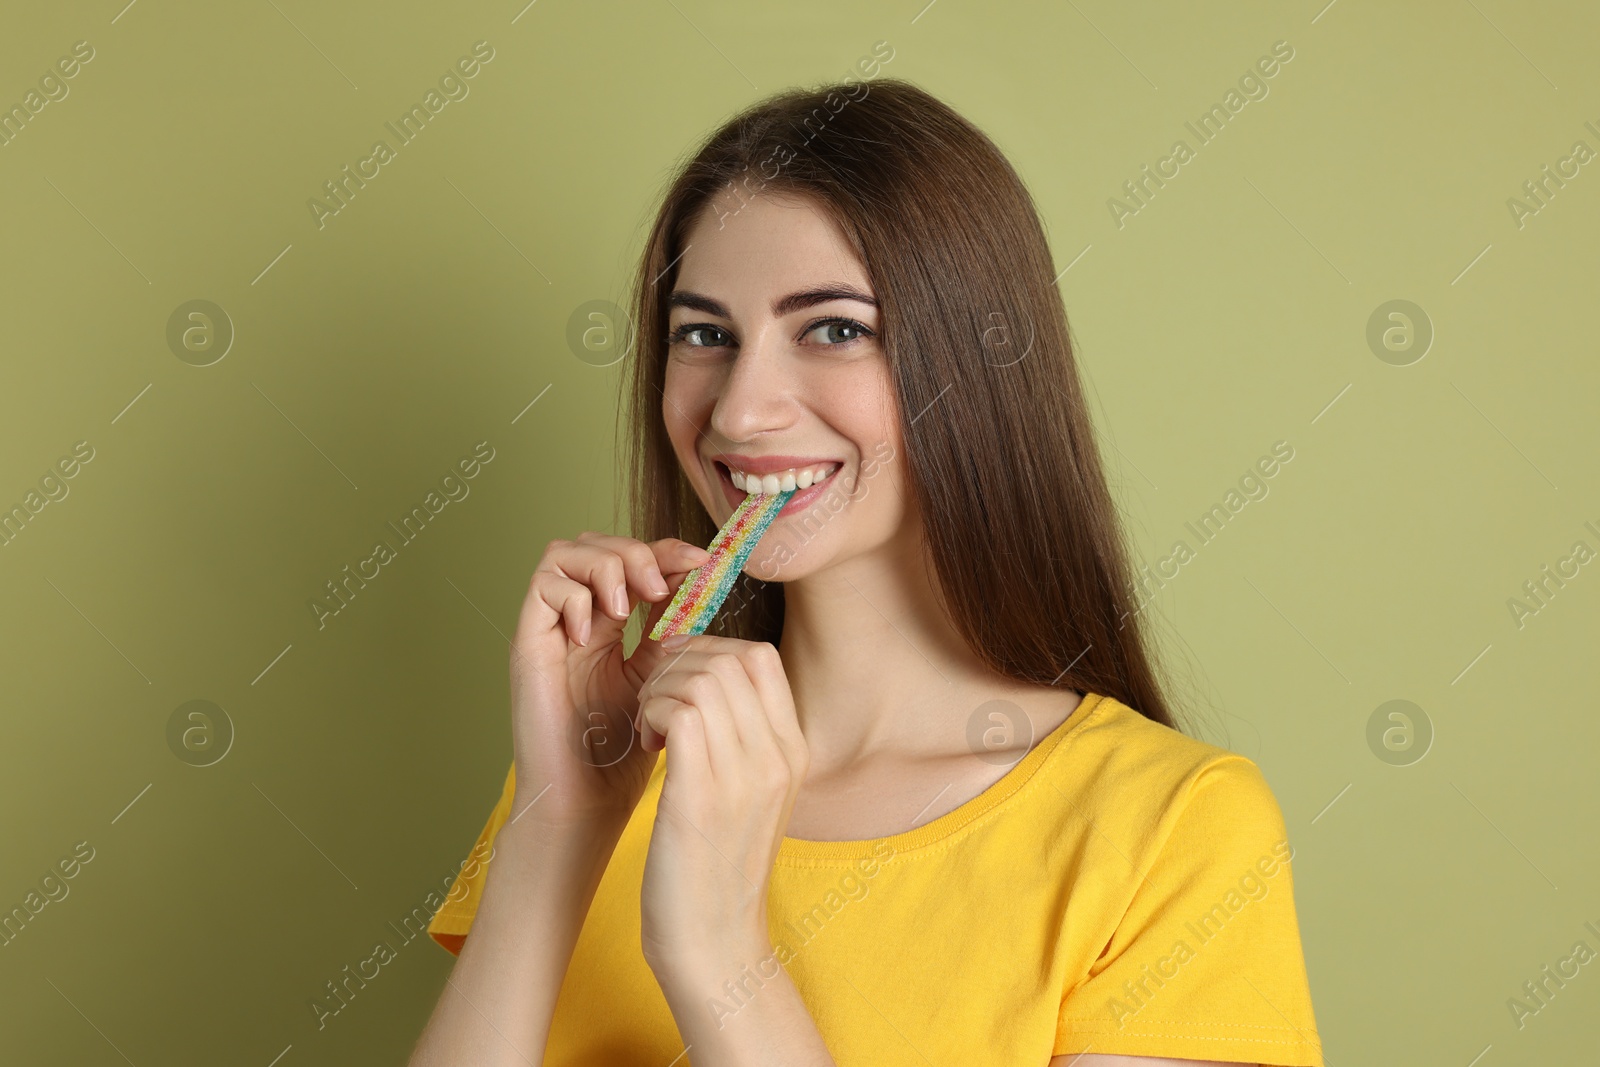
[805,298]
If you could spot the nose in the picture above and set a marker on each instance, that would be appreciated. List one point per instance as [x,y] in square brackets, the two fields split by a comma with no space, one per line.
[757,394]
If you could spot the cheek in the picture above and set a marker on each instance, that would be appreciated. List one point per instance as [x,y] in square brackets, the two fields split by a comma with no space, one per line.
[863,408]
[691,387]
[882,498]
[883,457]
[684,395]
[859,402]
[870,416]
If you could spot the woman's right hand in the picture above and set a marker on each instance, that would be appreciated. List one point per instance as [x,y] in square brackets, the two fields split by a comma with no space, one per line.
[574,694]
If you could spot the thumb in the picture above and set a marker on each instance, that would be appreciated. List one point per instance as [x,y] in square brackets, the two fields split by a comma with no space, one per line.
[676,560]
[648,653]
[674,580]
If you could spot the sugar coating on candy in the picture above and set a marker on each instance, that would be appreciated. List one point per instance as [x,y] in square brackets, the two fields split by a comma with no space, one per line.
[705,588]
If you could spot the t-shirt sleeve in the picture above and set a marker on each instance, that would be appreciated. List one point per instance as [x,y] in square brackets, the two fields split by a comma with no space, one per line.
[454,918]
[1206,963]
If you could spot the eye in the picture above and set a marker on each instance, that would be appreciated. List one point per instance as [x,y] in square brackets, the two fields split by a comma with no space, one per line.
[699,335]
[836,333]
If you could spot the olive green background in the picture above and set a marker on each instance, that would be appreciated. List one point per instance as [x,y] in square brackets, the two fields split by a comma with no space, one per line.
[371,354]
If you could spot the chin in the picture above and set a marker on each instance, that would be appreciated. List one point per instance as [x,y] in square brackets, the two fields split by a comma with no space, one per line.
[777,562]
[780,558]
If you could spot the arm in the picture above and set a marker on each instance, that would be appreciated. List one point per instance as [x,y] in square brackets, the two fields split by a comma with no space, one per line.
[735,760]
[501,993]
[773,1027]
[567,670]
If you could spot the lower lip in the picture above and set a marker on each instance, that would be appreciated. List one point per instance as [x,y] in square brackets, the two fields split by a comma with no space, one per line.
[801,500]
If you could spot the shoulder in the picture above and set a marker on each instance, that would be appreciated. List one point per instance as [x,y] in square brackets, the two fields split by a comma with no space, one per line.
[1135,772]
[1189,912]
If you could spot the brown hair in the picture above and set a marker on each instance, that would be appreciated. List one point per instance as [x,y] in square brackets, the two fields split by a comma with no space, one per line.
[1021,528]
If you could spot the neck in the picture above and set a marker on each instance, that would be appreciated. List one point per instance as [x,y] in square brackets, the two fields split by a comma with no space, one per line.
[876,666]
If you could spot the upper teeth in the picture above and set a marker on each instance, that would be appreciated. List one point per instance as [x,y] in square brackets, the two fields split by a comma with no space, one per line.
[782,481]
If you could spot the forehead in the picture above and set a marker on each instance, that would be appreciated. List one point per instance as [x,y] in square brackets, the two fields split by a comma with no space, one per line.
[766,246]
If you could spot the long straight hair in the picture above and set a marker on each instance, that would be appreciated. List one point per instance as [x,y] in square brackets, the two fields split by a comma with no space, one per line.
[1024,537]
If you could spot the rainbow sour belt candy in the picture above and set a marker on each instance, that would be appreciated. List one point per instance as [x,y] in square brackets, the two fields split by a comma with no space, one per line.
[708,585]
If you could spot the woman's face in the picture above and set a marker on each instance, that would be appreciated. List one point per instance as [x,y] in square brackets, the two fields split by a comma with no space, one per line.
[775,370]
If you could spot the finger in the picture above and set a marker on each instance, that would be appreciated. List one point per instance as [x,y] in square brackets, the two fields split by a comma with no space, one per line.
[650,739]
[601,569]
[760,771]
[647,653]
[659,716]
[555,603]
[751,725]
[677,556]
[689,760]
[657,610]
[770,761]
[640,567]
[671,686]
[764,668]
[650,565]
[577,611]
[662,703]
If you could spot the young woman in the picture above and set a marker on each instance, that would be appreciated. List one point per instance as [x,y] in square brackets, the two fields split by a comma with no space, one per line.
[916,798]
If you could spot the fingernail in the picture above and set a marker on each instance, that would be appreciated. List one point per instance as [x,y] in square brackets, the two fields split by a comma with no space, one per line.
[658,585]
[675,640]
[620,599]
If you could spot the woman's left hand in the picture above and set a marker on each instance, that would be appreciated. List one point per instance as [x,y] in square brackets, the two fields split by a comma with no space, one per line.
[723,710]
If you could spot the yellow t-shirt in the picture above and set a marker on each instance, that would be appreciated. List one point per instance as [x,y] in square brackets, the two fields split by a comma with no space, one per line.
[1123,889]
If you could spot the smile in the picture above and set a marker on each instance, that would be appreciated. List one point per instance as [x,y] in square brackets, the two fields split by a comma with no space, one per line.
[781,481]
[808,481]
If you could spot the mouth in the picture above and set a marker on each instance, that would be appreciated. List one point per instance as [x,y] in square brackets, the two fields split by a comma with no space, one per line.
[809,481]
